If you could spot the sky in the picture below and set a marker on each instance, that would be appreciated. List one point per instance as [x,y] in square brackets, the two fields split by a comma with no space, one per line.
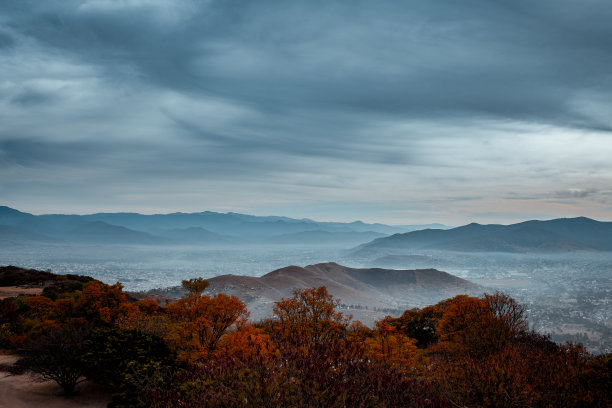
[384,111]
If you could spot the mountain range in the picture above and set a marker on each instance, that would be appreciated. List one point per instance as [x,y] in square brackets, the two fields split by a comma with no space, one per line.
[208,228]
[563,234]
[367,294]
[226,229]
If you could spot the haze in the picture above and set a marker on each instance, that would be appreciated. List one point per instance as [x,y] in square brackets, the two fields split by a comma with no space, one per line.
[410,113]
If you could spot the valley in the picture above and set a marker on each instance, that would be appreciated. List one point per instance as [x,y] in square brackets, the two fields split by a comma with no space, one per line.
[568,292]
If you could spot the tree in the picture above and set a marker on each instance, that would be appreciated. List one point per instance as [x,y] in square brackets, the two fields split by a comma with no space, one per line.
[144,316]
[390,347]
[419,324]
[246,344]
[334,374]
[309,317]
[508,311]
[53,355]
[195,286]
[98,302]
[41,308]
[127,362]
[200,321]
[478,326]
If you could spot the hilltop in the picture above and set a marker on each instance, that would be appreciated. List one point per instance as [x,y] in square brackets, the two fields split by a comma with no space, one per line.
[368,294]
[563,234]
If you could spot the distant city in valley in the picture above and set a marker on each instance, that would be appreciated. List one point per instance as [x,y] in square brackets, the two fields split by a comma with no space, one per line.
[560,269]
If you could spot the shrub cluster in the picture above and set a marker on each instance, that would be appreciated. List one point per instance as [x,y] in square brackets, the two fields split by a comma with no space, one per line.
[201,351]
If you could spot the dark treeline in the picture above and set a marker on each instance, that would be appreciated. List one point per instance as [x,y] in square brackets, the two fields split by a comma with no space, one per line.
[201,351]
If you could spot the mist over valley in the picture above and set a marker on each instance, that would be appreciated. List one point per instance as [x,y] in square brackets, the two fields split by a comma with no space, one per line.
[565,282]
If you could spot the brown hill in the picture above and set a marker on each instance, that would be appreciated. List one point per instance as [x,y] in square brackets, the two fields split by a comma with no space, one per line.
[367,294]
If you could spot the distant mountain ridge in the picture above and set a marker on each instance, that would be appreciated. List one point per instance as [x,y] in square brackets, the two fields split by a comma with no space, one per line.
[356,288]
[209,228]
[563,234]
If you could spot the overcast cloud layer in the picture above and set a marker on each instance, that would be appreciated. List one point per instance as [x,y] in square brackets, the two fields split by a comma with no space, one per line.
[399,112]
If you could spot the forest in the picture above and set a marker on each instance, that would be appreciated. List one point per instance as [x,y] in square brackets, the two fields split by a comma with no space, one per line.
[203,351]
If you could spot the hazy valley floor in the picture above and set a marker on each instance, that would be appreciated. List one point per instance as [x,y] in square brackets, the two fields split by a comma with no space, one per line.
[567,294]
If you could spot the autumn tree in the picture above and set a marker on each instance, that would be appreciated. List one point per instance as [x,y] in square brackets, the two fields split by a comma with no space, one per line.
[54,355]
[479,325]
[195,286]
[144,316]
[41,308]
[419,324]
[333,374]
[35,314]
[486,357]
[391,347]
[247,344]
[199,321]
[507,311]
[126,362]
[99,302]
[309,317]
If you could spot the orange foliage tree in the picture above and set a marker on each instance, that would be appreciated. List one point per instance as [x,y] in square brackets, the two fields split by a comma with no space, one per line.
[41,308]
[309,317]
[199,321]
[144,316]
[246,344]
[99,302]
[388,346]
[485,357]
[477,326]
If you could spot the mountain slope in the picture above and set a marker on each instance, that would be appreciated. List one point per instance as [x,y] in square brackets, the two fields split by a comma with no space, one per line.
[25,228]
[196,235]
[14,234]
[188,229]
[567,234]
[101,232]
[373,288]
[320,237]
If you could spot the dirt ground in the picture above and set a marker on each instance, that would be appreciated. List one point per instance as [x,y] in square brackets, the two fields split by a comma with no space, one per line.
[13,291]
[21,391]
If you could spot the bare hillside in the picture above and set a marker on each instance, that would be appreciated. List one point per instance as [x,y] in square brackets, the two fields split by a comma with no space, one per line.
[367,294]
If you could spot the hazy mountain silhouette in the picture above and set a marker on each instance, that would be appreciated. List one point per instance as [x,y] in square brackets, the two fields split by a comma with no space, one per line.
[101,232]
[13,234]
[210,228]
[564,234]
[325,237]
[27,228]
[199,235]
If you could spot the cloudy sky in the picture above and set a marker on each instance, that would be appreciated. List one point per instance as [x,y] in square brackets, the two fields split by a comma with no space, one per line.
[397,112]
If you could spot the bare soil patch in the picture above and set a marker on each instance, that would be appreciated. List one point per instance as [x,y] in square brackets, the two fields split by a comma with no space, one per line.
[14,291]
[22,391]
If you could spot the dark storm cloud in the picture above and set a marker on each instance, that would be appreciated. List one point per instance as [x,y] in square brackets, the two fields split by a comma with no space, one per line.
[518,59]
[30,152]
[6,40]
[28,98]
[367,97]
[130,158]
[320,136]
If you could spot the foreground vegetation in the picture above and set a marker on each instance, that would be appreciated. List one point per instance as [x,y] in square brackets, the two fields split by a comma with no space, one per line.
[201,351]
